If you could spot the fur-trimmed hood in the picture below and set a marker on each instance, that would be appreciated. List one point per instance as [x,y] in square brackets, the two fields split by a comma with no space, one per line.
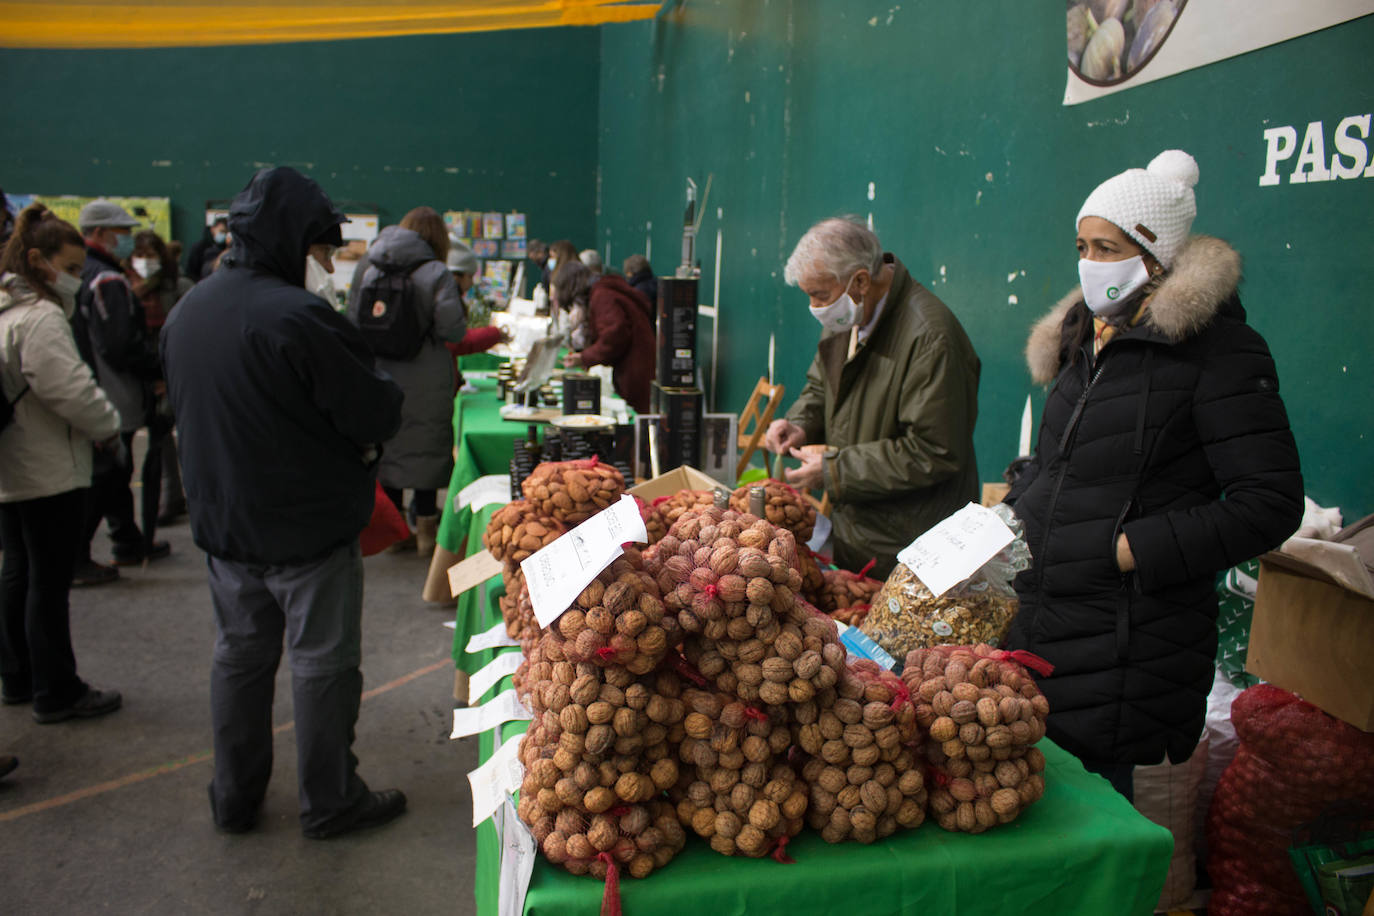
[1205,275]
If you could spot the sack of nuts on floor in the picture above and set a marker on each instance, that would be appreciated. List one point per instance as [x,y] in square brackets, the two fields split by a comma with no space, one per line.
[843,589]
[618,619]
[865,780]
[983,714]
[573,491]
[730,579]
[782,506]
[517,530]
[736,790]
[907,616]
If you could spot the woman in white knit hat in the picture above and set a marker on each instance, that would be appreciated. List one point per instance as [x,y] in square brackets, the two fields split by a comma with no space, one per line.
[1164,456]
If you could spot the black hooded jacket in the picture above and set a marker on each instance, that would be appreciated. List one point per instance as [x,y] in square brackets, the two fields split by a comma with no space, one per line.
[1174,433]
[276,395]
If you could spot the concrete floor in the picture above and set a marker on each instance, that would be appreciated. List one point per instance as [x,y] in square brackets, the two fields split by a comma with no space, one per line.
[110,815]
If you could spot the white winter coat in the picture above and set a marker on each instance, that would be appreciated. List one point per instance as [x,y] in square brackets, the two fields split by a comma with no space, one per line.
[46,448]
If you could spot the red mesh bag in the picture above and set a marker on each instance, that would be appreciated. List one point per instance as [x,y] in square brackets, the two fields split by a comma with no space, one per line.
[737,791]
[571,492]
[1293,761]
[842,589]
[782,506]
[983,713]
[856,750]
[666,510]
[618,619]
[517,530]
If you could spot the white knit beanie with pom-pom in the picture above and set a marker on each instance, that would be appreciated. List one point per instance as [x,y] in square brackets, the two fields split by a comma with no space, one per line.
[1153,205]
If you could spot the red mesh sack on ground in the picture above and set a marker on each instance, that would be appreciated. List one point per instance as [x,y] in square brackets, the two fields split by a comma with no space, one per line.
[1294,760]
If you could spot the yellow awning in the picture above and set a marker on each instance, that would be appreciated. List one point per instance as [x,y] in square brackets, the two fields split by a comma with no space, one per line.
[171,23]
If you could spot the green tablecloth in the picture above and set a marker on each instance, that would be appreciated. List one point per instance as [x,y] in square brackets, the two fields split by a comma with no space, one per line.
[1080,849]
[477,609]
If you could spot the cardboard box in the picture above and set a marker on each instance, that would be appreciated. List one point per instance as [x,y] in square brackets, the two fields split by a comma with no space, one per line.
[683,478]
[1313,631]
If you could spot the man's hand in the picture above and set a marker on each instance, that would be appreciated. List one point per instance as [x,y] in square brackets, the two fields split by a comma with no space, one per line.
[783,436]
[572,360]
[811,474]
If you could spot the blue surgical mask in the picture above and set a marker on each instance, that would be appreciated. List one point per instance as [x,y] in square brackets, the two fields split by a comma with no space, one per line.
[124,245]
[219,235]
[551,263]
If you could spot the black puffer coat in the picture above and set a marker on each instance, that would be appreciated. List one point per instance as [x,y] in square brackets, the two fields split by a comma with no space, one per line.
[1176,435]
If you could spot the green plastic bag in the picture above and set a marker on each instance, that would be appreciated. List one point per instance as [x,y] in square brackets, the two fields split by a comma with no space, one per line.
[1334,859]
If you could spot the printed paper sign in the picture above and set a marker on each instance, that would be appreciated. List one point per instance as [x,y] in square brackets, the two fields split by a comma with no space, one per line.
[505,708]
[494,489]
[955,549]
[493,671]
[517,860]
[472,572]
[491,639]
[495,780]
[557,574]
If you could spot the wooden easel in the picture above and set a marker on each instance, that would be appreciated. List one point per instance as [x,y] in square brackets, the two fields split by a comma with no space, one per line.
[751,436]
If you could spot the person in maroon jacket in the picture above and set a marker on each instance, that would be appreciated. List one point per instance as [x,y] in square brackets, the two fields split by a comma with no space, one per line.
[618,331]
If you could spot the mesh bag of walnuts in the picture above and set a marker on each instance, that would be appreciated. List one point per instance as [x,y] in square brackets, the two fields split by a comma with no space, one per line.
[666,510]
[737,791]
[843,589]
[865,779]
[982,713]
[782,506]
[654,526]
[730,579]
[571,492]
[617,620]
[517,530]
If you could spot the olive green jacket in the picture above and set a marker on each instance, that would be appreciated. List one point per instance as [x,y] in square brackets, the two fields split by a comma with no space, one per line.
[898,419]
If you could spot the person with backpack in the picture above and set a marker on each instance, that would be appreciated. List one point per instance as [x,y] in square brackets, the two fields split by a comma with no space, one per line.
[53,412]
[407,305]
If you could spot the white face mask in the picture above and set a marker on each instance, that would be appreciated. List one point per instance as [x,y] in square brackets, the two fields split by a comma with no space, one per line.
[320,281]
[67,287]
[840,315]
[551,263]
[1108,284]
[145,267]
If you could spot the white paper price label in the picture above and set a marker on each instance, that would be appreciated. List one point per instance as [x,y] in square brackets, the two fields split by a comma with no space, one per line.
[506,707]
[493,671]
[557,574]
[491,639]
[494,489]
[495,780]
[955,549]
[517,860]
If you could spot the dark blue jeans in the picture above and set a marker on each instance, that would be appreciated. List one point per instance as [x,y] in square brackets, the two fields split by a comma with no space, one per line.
[36,658]
[316,608]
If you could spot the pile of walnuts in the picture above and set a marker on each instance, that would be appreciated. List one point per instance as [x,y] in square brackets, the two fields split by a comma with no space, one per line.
[666,510]
[737,791]
[570,492]
[782,506]
[865,780]
[617,620]
[730,580]
[983,713]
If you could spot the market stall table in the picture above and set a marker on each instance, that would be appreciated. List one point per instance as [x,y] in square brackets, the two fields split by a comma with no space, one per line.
[1080,849]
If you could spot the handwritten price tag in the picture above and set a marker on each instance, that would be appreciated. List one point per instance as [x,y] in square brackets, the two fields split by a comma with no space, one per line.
[557,574]
[505,708]
[956,548]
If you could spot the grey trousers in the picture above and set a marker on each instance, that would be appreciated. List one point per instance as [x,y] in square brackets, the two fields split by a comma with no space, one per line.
[317,607]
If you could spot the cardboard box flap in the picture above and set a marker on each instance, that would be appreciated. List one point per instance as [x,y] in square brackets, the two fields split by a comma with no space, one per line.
[1339,564]
[1360,535]
[682,478]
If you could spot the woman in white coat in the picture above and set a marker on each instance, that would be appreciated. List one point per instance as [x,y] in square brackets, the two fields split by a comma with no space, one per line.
[55,413]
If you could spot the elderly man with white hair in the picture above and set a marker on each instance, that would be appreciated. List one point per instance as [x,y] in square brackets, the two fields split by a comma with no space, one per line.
[892,395]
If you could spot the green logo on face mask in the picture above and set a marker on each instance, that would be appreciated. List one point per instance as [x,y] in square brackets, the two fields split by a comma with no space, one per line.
[1113,292]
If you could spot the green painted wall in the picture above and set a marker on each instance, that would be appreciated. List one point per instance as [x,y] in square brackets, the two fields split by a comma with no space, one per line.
[955,117]
[504,120]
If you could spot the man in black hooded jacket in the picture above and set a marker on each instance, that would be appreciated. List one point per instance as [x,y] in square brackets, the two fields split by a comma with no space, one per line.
[280,408]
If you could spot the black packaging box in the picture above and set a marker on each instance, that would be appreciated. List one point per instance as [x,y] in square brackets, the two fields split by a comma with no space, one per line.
[677,332]
[679,425]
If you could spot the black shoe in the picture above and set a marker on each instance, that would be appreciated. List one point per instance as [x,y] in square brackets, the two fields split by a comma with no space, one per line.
[16,699]
[136,557]
[232,827]
[375,809]
[93,703]
[7,764]
[89,572]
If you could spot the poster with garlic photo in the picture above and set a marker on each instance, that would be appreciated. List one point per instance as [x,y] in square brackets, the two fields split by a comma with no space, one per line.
[1118,44]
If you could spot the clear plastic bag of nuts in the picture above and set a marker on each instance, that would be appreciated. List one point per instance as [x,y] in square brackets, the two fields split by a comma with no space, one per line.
[906,615]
